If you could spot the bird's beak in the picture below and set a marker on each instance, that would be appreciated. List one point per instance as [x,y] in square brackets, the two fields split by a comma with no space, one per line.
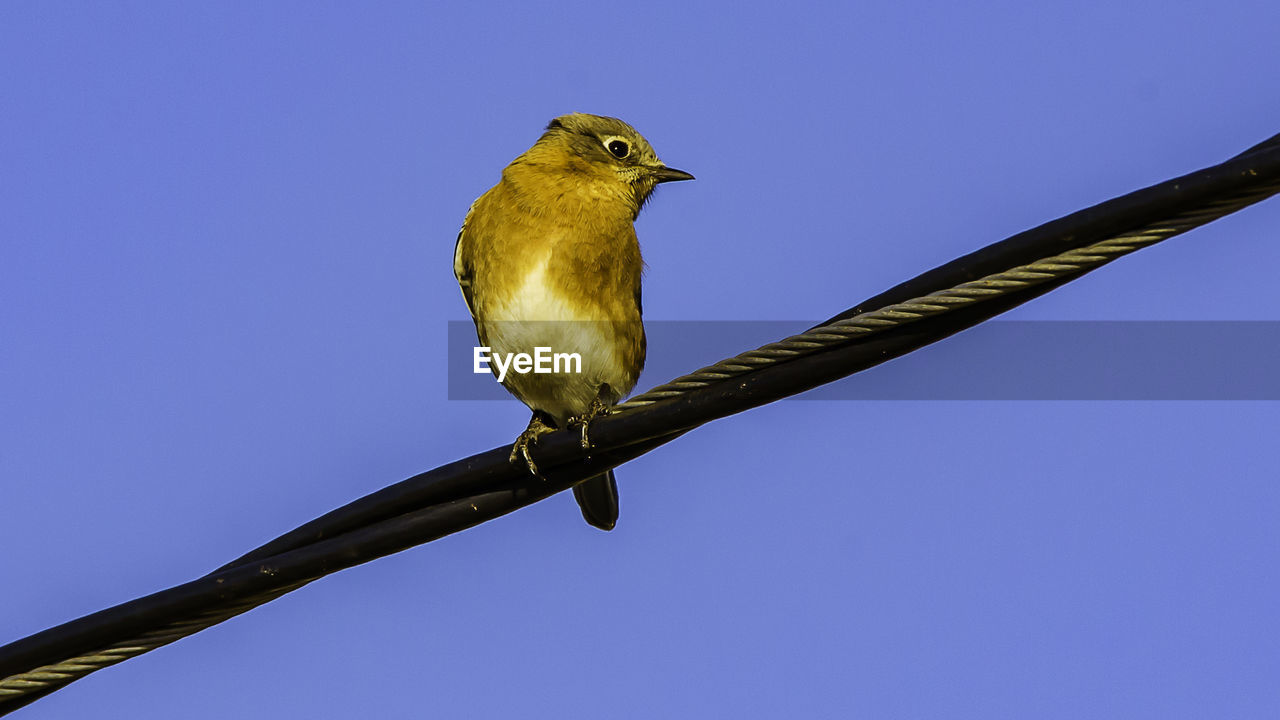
[666,174]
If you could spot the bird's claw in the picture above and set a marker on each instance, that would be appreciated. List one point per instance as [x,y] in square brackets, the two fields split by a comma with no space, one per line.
[529,437]
[597,409]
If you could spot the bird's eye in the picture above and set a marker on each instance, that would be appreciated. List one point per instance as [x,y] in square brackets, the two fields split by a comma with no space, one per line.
[617,148]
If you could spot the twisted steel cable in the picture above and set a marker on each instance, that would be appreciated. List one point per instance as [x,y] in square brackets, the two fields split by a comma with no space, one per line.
[829,335]
[471,491]
[23,688]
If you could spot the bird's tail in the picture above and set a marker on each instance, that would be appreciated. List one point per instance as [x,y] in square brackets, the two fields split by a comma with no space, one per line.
[598,498]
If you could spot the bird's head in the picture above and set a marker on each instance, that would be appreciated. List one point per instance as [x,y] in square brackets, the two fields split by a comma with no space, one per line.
[607,147]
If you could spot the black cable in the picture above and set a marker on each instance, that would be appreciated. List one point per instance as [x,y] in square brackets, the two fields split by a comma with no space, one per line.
[1254,167]
[467,492]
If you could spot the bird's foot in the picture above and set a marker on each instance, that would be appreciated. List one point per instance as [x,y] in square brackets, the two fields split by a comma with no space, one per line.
[537,428]
[598,408]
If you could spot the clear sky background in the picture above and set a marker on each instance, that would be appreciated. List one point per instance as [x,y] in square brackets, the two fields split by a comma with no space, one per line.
[225,279]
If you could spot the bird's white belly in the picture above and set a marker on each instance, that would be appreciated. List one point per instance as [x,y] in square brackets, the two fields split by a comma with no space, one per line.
[536,316]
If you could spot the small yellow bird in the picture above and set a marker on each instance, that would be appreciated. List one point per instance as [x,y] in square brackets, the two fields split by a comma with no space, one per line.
[548,258]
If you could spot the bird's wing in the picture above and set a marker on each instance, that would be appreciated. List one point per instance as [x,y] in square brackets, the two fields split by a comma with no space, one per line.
[462,266]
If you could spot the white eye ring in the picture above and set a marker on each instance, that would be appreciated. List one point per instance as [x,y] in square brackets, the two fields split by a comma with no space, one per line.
[614,145]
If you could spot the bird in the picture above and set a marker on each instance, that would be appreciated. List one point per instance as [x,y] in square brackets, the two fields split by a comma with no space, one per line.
[548,258]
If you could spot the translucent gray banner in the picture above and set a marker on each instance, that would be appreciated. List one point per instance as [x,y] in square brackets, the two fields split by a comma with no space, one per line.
[999,360]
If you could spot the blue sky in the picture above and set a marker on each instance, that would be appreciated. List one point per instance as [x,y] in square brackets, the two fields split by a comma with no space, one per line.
[225,282]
